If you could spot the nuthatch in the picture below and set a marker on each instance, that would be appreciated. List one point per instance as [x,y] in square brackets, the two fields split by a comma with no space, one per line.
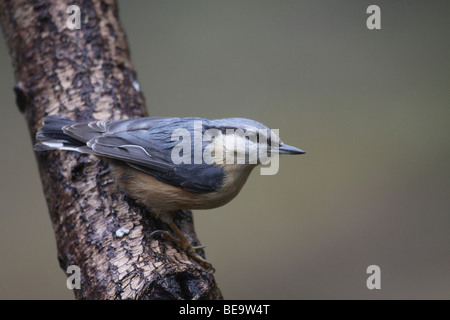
[150,162]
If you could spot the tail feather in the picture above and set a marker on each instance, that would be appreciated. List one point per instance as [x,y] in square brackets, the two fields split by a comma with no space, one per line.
[52,136]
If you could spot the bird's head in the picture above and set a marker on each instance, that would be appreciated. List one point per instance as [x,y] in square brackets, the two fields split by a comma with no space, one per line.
[246,142]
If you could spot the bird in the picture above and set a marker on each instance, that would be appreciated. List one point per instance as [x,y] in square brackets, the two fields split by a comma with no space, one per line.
[170,164]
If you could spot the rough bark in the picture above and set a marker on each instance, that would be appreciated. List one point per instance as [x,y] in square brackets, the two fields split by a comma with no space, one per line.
[87,74]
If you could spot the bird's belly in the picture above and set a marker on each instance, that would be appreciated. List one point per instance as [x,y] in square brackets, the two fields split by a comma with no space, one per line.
[165,197]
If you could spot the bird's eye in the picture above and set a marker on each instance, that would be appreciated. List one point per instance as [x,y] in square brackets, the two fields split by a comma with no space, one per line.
[262,137]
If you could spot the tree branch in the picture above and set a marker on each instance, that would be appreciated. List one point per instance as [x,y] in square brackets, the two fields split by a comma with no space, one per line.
[82,75]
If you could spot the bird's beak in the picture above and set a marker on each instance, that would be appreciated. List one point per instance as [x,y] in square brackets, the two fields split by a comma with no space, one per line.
[287,149]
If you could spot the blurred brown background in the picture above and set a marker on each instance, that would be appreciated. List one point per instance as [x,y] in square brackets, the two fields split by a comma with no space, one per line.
[371,108]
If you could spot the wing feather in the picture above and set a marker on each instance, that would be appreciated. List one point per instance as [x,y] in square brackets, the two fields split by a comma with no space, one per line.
[145,144]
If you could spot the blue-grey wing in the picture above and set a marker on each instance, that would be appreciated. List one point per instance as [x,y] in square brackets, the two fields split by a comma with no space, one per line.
[146,144]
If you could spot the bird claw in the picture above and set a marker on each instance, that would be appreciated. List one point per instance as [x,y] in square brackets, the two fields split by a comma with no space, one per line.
[187,247]
[199,247]
[165,233]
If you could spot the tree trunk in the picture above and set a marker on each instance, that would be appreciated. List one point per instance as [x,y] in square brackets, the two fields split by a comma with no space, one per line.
[83,75]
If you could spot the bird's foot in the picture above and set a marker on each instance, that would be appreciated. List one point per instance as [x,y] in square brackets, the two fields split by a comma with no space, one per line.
[183,243]
[167,234]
